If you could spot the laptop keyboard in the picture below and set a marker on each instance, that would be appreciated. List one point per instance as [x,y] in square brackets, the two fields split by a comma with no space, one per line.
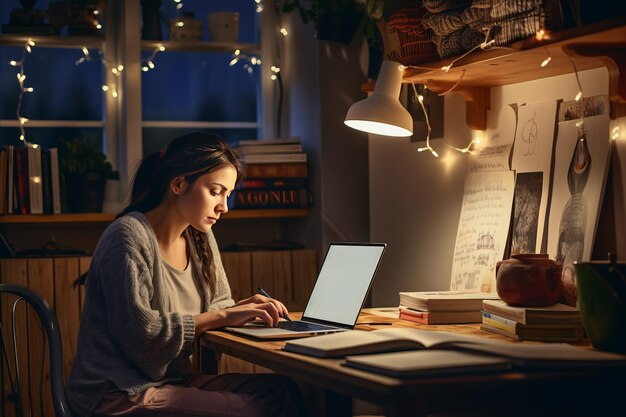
[302,326]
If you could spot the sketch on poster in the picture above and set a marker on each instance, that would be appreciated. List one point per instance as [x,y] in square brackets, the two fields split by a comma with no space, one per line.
[581,166]
[482,232]
[532,154]
[526,203]
[494,151]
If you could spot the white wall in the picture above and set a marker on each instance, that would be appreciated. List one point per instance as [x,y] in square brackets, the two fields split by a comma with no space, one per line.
[415,199]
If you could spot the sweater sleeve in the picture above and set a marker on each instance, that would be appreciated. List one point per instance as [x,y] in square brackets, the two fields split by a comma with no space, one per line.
[149,338]
[222,297]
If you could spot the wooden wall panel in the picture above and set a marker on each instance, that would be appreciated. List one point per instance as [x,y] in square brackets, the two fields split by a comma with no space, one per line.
[67,306]
[13,271]
[305,269]
[238,267]
[83,267]
[40,280]
[271,270]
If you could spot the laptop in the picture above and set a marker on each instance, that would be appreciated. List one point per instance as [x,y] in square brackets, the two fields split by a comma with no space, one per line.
[337,297]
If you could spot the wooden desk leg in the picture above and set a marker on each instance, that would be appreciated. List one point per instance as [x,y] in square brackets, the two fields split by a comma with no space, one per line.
[337,404]
[209,361]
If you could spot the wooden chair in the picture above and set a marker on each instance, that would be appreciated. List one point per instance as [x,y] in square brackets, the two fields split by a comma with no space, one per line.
[23,372]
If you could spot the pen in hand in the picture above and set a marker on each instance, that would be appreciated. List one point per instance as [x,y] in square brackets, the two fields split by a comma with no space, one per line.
[263,292]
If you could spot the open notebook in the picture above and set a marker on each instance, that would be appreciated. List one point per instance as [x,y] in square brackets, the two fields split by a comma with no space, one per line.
[337,297]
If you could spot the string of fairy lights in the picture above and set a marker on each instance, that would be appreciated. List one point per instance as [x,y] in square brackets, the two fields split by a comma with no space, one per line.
[486,45]
[252,61]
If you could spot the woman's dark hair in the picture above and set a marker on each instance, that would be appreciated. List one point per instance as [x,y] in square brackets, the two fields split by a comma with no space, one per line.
[190,156]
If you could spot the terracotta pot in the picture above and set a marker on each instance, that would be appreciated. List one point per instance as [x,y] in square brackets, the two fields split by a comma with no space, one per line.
[530,280]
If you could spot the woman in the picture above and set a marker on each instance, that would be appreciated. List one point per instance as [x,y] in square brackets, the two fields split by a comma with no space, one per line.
[155,283]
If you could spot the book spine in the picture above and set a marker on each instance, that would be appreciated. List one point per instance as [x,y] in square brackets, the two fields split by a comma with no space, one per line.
[10,179]
[278,170]
[46,182]
[515,315]
[34,180]
[265,158]
[55,180]
[265,149]
[500,322]
[3,180]
[276,183]
[269,198]
[414,317]
[21,181]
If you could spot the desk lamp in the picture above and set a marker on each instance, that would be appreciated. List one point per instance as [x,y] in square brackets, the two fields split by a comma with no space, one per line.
[381,113]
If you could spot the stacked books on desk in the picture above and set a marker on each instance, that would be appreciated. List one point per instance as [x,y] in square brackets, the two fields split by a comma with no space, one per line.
[443,307]
[277,175]
[555,323]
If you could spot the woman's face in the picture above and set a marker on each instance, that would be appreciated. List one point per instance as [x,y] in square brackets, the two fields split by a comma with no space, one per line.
[201,203]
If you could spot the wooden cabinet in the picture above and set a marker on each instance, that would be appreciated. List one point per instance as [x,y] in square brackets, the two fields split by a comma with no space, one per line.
[600,44]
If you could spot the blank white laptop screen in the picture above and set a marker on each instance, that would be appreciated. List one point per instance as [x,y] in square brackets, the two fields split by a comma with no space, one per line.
[343,282]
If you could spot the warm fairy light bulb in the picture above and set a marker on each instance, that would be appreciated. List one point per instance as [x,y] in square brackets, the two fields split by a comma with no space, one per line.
[98,26]
[580,123]
[446,68]
[273,77]
[30,42]
[114,94]
[420,98]
[22,137]
[85,51]
[284,32]
[29,90]
[151,64]
[114,71]
[546,61]
[105,88]
[275,69]
[179,6]
[578,95]
[180,24]
[145,69]
[253,60]
[237,52]
[540,34]
[486,45]
[23,120]
[615,133]
[13,63]
[96,12]
[161,48]
[120,68]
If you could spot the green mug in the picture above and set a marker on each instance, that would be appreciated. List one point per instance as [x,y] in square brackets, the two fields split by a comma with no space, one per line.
[602,301]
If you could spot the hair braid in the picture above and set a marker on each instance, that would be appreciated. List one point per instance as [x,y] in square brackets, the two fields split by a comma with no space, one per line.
[201,242]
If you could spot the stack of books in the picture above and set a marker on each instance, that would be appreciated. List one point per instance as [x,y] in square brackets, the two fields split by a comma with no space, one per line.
[555,323]
[443,307]
[277,175]
[29,180]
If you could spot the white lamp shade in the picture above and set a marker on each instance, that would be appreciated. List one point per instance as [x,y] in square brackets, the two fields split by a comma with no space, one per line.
[381,113]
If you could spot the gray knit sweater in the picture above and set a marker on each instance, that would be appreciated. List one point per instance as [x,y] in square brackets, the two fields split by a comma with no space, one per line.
[127,341]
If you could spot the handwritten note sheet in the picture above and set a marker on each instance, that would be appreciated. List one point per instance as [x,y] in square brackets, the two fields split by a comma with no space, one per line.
[482,232]
[493,153]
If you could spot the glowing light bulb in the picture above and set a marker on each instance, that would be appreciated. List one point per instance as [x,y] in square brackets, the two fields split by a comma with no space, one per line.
[578,95]
[540,34]
[284,32]
[13,63]
[180,24]
[446,68]
[546,61]
[105,88]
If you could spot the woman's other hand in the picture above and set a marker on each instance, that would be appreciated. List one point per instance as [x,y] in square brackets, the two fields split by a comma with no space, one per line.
[261,299]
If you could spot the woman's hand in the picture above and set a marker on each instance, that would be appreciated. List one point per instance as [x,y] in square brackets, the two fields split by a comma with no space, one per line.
[261,299]
[266,309]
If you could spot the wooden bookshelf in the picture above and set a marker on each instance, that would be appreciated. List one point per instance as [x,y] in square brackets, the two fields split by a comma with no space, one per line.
[109,217]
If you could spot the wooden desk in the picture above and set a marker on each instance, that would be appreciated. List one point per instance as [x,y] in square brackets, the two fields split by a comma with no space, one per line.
[588,392]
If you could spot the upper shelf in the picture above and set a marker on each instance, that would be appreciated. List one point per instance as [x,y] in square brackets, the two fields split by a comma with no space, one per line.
[53,41]
[601,44]
[109,217]
[203,46]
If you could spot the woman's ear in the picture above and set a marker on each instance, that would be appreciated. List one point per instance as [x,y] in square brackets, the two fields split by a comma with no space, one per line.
[178,185]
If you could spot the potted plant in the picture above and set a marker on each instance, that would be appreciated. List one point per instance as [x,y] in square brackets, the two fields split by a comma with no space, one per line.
[85,172]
